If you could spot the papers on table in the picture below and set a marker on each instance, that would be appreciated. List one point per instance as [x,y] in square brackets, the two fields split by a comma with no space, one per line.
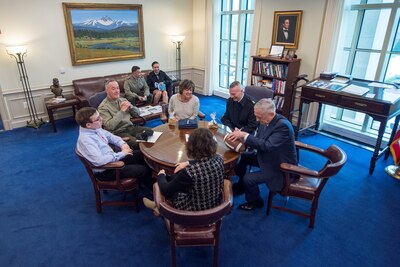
[382,85]
[152,139]
[355,89]
[325,84]
[56,100]
[148,110]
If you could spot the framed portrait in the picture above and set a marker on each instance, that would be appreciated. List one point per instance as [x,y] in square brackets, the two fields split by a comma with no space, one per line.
[287,25]
[104,32]
[291,53]
[276,51]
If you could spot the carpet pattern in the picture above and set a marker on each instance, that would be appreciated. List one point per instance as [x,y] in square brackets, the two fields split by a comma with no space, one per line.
[48,215]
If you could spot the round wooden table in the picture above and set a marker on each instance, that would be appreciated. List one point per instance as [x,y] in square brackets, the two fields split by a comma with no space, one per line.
[170,149]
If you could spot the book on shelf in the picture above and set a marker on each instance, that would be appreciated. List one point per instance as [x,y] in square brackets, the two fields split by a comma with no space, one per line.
[270,69]
[278,86]
[279,101]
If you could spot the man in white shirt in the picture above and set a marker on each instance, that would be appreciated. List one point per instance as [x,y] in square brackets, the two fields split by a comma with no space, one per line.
[93,143]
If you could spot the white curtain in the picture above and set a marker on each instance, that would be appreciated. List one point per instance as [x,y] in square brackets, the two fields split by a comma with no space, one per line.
[254,36]
[327,49]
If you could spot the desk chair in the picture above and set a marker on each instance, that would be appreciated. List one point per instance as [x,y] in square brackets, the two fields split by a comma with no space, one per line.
[311,182]
[125,185]
[194,228]
[259,92]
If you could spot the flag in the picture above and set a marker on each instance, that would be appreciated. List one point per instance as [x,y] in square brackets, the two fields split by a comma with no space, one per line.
[395,148]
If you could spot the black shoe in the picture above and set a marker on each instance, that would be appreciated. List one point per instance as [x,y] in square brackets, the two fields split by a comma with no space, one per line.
[238,189]
[249,206]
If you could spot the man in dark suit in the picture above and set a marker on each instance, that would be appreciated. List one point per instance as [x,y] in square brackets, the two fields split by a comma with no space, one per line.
[239,110]
[273,144]
[285,32]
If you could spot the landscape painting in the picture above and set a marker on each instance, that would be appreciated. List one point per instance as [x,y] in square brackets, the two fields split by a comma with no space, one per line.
[104,32]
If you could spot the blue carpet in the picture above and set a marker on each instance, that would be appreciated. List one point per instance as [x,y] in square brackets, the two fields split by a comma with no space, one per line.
[48,216]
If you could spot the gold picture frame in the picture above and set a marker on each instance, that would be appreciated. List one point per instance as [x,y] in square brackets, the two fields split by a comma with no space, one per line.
[104,32]
[287,25]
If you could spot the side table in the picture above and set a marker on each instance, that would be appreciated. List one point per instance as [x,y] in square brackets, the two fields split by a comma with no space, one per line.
[52,106]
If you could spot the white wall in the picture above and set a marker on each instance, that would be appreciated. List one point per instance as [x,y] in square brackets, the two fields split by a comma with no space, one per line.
[311,27]
[41,25]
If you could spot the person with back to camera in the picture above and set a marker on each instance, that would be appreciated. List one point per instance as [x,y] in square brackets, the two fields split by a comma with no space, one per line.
[136,88]
[117,111]
[273,144]
[93,143]
[161,79]
[239,112]
[196,184]
[184,105]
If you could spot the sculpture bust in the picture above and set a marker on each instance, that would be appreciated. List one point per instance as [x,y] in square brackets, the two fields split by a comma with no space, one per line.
[56,89]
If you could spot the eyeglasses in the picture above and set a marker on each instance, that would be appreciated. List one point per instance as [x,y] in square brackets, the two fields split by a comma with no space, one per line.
[98,119]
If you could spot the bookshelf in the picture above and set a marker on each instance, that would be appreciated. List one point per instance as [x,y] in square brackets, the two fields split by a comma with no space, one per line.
[277,74]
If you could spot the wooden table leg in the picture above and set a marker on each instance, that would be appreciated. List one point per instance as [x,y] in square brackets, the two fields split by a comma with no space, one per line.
[375,156]
[51,118]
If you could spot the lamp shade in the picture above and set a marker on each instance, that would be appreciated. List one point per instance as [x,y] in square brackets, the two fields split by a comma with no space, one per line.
[177,38]
[15,50]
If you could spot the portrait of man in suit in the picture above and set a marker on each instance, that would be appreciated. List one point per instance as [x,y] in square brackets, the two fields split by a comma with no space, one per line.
[287,28]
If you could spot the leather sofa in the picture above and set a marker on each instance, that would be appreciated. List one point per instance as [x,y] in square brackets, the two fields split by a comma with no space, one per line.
[87,87]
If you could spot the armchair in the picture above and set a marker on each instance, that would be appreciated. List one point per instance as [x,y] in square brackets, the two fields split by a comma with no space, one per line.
[194,228]
[125,185]
[311,182]
[259,92]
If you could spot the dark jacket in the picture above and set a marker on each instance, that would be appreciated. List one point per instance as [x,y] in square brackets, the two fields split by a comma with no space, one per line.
[162,77]
[240,114]
[275,145]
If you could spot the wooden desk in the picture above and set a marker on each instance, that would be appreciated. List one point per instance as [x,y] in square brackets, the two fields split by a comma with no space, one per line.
[51,107]
[170,149]
[379,107]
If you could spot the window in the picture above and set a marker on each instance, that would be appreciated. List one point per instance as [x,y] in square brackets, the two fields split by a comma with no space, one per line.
[368,48]
[236,20]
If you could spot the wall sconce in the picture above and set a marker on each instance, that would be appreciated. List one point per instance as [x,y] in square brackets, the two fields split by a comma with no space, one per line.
[178,40]
[19,52]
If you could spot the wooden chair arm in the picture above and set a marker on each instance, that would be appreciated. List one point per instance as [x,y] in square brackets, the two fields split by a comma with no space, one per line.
[311,148]
[112,165]
[299,170]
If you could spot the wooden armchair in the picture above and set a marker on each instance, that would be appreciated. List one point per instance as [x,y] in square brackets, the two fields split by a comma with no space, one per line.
[311,182]
[194,228]
[125,185]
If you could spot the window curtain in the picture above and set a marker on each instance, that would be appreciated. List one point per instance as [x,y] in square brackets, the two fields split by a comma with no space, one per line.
[254,37]
[327,48]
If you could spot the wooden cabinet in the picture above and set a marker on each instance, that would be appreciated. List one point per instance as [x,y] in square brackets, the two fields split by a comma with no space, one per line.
[278,74]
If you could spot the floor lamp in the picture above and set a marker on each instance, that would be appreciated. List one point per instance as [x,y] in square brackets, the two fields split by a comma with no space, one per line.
[19,52]
[178,40]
